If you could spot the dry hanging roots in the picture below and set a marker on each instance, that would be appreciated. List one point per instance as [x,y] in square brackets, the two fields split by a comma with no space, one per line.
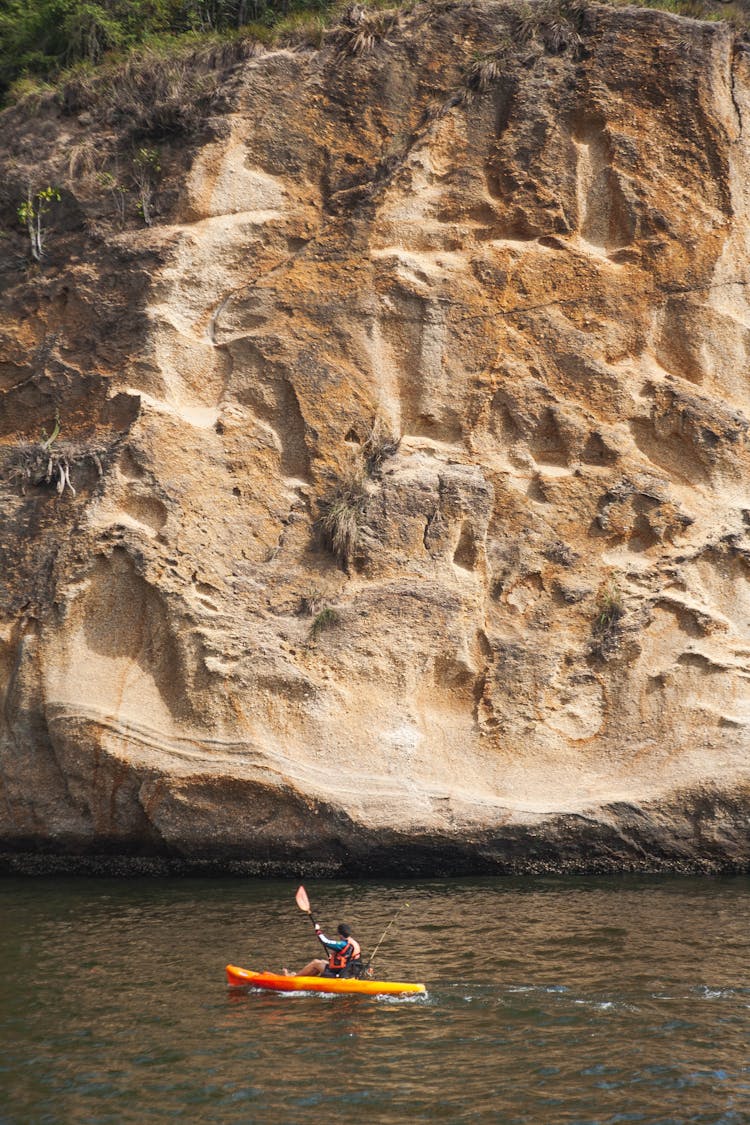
[36,464]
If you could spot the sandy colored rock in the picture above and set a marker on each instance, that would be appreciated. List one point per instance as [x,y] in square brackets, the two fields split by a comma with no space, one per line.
[512,321]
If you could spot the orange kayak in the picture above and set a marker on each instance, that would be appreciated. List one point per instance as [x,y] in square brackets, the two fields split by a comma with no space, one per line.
[245,978]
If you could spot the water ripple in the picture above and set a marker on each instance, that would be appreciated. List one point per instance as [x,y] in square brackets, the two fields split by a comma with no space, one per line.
[539,1010]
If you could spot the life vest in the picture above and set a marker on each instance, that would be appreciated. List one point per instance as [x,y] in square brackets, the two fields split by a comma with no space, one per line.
[338,959]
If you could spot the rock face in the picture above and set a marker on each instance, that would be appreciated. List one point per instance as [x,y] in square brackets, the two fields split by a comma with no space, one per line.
[421,535]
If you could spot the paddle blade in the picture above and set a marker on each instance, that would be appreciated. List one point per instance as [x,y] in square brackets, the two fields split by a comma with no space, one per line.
[303,902]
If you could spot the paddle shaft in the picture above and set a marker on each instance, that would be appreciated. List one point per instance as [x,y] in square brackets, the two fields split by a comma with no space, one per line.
[315,924]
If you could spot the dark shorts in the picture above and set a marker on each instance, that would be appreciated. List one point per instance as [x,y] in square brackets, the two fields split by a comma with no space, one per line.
[353,969]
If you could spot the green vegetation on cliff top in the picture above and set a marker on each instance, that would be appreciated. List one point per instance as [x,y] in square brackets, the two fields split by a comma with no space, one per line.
[42,40]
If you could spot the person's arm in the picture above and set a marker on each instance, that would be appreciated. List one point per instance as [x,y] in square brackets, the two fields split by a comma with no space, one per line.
[329,943]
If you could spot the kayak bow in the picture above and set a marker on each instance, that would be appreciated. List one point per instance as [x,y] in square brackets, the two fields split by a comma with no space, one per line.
[245,978]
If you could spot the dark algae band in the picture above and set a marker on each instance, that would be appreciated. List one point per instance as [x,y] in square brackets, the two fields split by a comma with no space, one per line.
[698,833]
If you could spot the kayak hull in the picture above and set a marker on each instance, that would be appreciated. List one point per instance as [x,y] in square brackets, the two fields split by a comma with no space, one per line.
[274,982]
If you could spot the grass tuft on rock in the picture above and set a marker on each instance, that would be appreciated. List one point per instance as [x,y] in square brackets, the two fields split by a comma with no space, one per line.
[610,609]
[342,520]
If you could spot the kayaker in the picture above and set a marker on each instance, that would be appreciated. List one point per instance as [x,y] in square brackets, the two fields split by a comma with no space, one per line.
[344,956]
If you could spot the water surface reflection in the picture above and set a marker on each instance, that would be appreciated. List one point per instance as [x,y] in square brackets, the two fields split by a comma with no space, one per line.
[582,1001]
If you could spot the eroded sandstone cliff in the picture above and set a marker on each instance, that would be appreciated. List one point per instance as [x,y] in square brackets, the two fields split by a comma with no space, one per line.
[478,295]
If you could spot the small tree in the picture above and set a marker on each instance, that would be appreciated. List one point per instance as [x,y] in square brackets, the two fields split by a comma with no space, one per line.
[32,212]
[111,183]
[146,172]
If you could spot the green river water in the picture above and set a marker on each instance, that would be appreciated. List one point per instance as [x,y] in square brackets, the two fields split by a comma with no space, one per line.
[585,1001]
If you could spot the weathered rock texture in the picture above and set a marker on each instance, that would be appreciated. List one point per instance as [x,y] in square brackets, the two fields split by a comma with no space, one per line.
[539,654]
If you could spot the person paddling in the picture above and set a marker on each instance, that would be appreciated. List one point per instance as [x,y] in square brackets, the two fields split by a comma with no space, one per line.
[344,956]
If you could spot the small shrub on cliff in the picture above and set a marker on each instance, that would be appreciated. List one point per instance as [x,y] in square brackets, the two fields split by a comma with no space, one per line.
[29,92]
[361,29]
[556,24]
[486,70]
[311,601]
[378,446]
[83,160]
[328,618]
[610,609]
[342,518]
[111,183]
[606,627]
[146,172]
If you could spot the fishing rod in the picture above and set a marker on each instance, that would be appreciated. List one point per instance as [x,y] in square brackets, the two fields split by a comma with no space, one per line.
[385,931]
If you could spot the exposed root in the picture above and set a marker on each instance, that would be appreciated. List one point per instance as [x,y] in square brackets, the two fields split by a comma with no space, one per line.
[38,465]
